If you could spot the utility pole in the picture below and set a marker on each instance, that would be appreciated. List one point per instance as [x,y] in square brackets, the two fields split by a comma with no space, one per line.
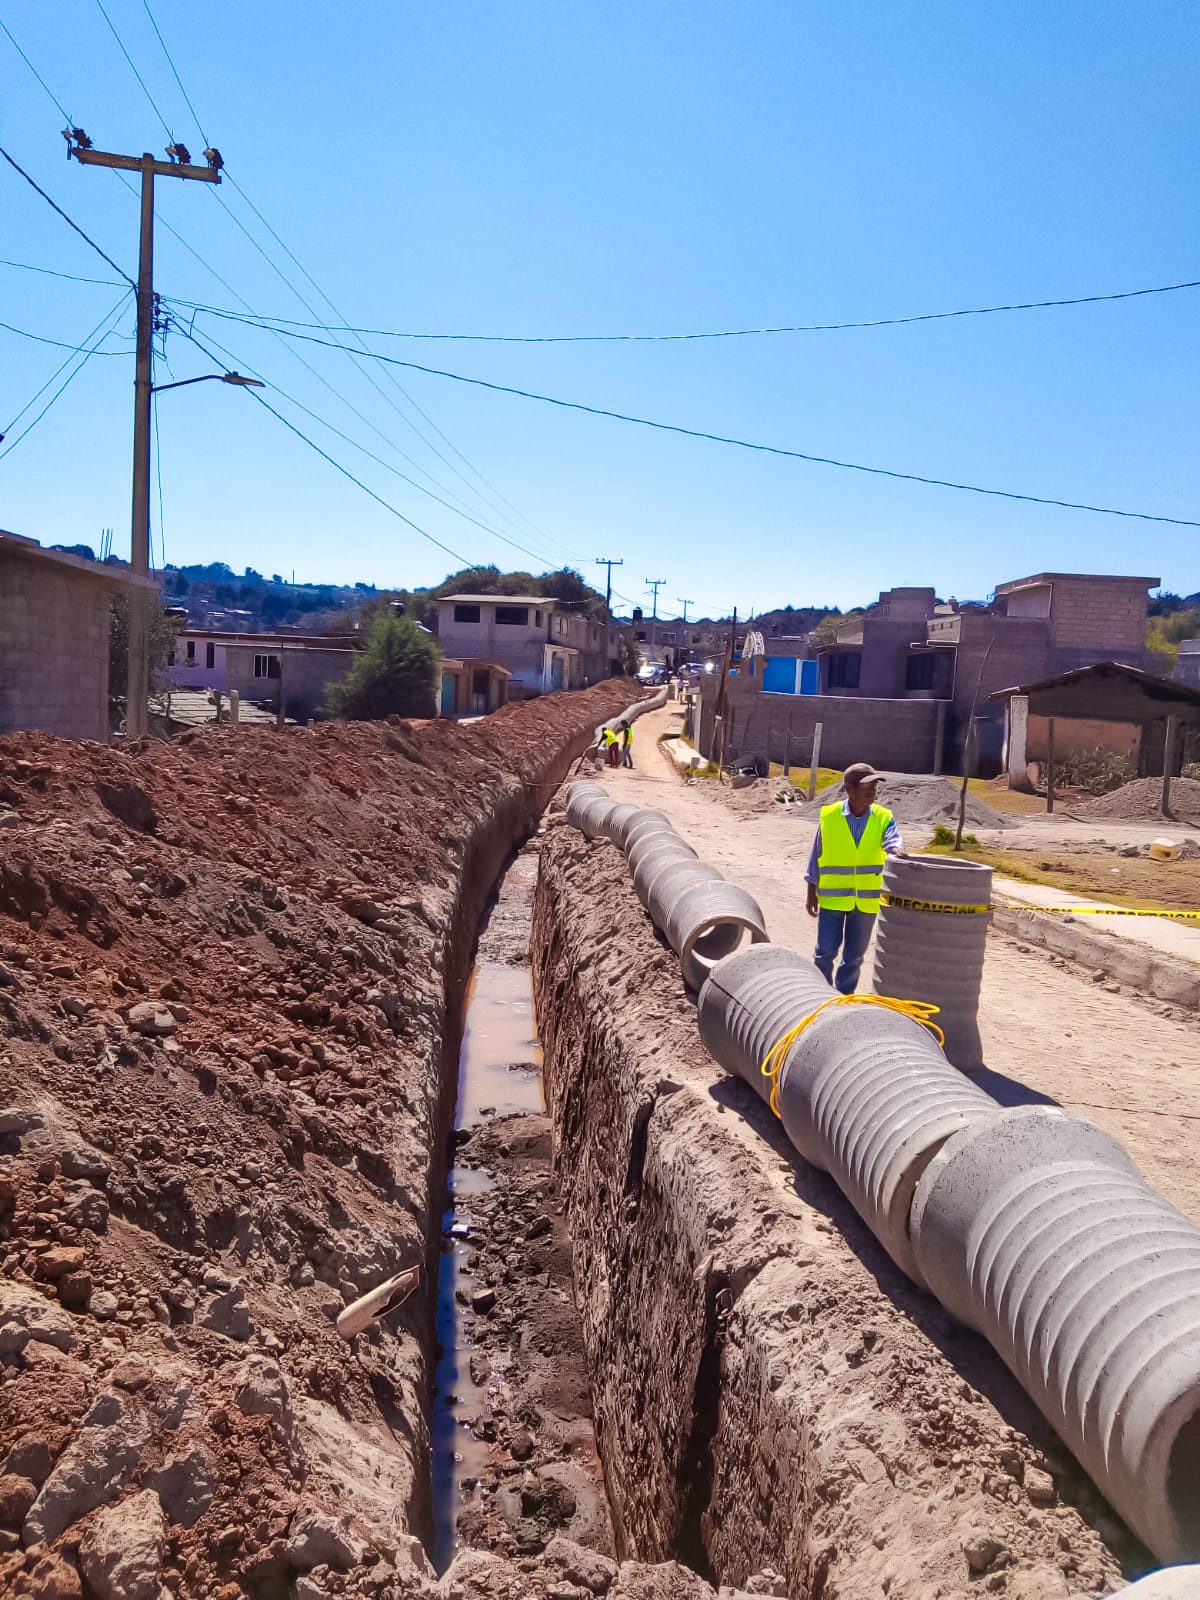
[178,166]
[654,585]
[685,604]
[607,561]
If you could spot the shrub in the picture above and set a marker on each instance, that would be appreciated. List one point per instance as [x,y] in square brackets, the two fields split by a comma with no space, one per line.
[395,674]
[942,835]
[1098,771]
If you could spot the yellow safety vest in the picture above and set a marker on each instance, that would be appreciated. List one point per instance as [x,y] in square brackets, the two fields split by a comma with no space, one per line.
[610,736]
[849,875]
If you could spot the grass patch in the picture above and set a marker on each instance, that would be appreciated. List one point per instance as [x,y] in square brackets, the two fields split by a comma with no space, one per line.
[1001,798]
[799,776]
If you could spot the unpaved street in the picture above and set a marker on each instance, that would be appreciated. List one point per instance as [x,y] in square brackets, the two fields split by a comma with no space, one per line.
[1049,1031]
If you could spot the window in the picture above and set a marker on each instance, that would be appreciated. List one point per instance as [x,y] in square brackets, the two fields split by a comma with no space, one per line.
[191,652]
[667,635]
[210,656]
[537,619]
[512,616]
[844,669]
[920,671]
[466,613]
[170,658]
[266,666]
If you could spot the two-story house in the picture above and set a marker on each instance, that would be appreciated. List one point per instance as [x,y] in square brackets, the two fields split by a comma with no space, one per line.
[545,644]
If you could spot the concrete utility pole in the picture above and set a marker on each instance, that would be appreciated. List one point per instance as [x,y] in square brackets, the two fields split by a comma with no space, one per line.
[654,585]
[178,166]
[610,563]
[685,604]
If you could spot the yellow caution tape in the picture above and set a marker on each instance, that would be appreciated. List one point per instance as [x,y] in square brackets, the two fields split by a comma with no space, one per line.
[1017,905]
[919,1010]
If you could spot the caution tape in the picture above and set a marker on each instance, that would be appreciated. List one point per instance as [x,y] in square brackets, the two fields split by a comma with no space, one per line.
[1016,905]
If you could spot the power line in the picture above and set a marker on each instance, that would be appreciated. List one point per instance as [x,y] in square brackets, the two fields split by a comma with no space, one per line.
[766,449]
[733,333]
[63,112]
[134,70]
[175,71]
[242,365]
[54,206]
[99,333]
[60,344]
[51,272]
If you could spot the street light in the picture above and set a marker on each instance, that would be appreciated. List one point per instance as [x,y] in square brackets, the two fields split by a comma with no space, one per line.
[218,377]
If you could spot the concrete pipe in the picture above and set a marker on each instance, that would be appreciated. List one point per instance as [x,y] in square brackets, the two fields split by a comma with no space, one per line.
[664,880]
[619,818]
[647,821]
[750,1000]
[654,852]
[936,955]
[1037,1229]
[1171,1583]
[589,813]
[708,922]
[650,839]
[867,1095]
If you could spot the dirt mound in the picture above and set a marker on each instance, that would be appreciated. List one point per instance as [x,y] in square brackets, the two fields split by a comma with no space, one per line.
[1141,801]
[223,973]
[917,799]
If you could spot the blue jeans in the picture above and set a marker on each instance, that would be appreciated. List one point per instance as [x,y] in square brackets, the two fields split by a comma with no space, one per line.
[849,932]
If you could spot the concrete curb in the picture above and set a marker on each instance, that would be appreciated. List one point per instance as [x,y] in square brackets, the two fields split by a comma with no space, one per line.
[1177,982]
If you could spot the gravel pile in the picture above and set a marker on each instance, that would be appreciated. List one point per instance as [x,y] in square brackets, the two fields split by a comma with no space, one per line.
[915,798]
[1141,801]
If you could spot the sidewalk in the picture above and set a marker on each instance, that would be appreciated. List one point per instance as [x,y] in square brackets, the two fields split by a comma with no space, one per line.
[1180,940]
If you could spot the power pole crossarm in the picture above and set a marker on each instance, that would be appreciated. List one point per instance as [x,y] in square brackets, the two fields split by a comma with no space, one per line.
[610,563]
[138,685]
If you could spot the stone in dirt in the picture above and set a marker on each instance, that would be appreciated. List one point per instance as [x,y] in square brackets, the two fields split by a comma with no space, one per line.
[319,1540]
[17,1494]
[187,1483]
[152,1018]
[129,804]
[121,1552]
[36,1316]
[92,1470]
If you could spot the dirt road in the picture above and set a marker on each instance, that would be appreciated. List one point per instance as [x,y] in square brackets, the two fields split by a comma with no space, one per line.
[1130,1065]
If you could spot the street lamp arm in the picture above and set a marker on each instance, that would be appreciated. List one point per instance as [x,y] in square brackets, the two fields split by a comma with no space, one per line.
[220,378]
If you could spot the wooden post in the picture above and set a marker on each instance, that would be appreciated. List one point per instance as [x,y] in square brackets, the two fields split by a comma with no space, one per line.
[816,762]
[939,738]
[770,722]
[967,762]
[787,745]
[1049,764]
[719,746]
[1169,736]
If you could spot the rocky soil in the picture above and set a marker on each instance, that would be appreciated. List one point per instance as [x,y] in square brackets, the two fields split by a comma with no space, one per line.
[225,964]
[770,1393]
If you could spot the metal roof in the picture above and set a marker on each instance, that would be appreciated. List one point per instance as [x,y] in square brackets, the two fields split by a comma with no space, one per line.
[1156,687]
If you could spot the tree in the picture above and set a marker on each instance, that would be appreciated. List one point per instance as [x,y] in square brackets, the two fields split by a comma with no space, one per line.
[826,631]
[394,675]
[1163,635]
[161,633]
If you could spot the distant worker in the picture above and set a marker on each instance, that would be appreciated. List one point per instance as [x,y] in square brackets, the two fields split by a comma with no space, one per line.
[612,747]
[845,874]
[626,744]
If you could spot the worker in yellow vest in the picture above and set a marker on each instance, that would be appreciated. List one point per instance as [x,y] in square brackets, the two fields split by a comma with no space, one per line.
[612,747]
[845,874]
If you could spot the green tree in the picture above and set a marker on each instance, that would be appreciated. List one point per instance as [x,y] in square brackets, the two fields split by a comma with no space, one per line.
[1164,633]
[394,675]
[161,631]
[826,631]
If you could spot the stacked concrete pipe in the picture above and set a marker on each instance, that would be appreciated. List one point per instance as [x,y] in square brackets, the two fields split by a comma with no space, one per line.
[936,955]
[1171,1583]
[655,702]
[864,1093]
[1036,1229]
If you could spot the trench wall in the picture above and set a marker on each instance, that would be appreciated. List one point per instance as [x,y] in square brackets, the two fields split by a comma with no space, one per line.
[769,1390]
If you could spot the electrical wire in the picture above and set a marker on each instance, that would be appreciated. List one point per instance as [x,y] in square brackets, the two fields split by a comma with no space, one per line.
[100,333]
[60,344]
[732,333]
[51,272]
[63,112]
[30,403]
[763,449]
[54,206]
[242,365]
[175,71]
[134,70]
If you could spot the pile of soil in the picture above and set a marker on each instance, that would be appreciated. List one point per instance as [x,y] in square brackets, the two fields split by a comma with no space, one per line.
[1141,801]
[224,964]
[917,799]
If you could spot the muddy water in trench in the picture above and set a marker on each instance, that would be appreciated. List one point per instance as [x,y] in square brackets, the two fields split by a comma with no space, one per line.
[514,1455]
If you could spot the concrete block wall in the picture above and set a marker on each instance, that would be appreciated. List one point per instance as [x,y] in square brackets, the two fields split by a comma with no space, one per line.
[53,649]
[896,734]
[1089,611]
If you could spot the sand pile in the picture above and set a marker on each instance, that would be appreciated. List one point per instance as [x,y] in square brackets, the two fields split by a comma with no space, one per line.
[917,799]
[1141,801]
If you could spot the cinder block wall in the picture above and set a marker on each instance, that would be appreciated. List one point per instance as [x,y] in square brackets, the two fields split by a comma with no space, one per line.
[1107,614]
[53,649]
[897,734]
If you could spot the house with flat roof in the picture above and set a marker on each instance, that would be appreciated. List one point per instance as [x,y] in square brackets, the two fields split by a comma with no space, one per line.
[544,644]
[294,670]
[54,632]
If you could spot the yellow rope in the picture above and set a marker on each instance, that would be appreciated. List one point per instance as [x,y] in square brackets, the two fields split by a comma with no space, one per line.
[921,1011]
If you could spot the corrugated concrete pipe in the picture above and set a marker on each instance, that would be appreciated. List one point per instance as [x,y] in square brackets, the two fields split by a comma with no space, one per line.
[1171,1583]
[750,1000]
[665,880]
[1037,1230]
[867,1095]
[651,854]
[706,922]
[647,821]
[936,955]
[630,714]
[588,809]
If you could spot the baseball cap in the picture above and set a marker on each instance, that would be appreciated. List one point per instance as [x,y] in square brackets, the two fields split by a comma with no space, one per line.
[861,772]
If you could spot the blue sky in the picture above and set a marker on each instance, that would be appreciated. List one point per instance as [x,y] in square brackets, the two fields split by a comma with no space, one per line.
[608,168]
